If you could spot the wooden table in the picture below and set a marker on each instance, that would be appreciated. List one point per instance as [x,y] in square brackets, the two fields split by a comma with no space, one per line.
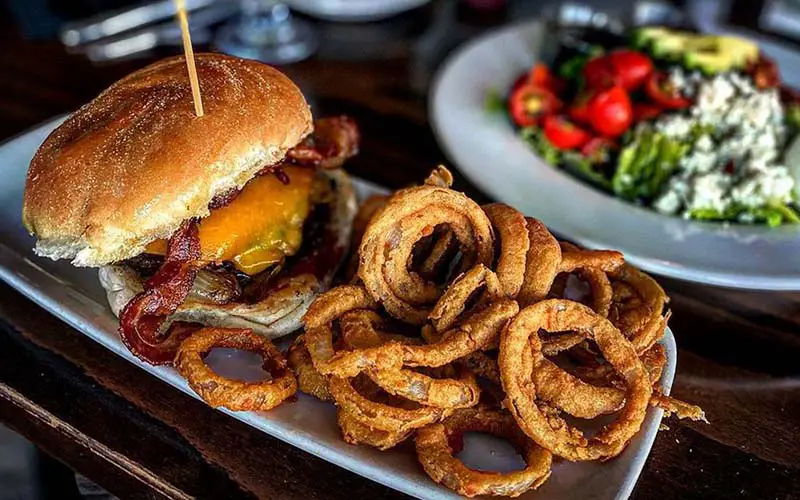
[138,437]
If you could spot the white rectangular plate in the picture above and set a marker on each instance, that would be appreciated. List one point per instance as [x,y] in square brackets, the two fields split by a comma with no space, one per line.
[74,295]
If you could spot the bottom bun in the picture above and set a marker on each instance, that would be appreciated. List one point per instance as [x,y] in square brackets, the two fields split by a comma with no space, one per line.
[282,310]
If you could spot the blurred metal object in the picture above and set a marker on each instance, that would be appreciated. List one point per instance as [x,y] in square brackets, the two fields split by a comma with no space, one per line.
[141,42]
[656,12]
[615,20]
[133,43]
[117,22]
[267,31]
[581,15]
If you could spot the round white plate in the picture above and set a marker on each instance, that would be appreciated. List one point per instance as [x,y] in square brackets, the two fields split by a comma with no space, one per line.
[354,10]
[487,150]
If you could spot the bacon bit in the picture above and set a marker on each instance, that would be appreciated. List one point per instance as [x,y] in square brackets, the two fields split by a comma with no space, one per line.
[334,140]
[143,316]
[224,198]
[764,72]
[729,168]
[281,175]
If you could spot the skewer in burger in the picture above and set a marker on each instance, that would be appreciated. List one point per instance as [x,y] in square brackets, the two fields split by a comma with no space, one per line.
[239,218]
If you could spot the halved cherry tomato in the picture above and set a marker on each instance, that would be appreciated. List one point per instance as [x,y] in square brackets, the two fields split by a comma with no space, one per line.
[610,112]
[599,73]
[579,110]
[598,149]
[630,67]
[662,92]
[541,76]
[644,112]
[564,134]
[528,104]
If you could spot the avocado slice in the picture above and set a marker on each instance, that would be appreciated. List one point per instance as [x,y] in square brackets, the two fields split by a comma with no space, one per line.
[717,54]
[660,42]
[641,38]
[670,45]
[743,51]
[708,53]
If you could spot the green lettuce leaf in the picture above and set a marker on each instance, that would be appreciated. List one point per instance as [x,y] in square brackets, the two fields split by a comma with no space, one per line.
[645,165]
[535,137]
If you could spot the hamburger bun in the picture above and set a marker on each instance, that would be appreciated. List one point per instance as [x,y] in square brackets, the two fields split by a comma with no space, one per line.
[128,167]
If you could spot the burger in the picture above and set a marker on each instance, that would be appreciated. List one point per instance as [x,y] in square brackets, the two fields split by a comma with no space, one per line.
[238,218]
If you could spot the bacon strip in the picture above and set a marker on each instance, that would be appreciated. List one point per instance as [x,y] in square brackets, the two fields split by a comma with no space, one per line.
[142,317]
[334,140]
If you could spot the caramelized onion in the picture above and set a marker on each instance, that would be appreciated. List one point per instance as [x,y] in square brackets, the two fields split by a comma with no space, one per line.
[218,287]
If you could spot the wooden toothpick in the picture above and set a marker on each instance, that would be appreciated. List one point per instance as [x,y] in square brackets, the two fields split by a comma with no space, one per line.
[180,5]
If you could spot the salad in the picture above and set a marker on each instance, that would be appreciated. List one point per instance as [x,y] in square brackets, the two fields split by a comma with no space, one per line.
[692,125]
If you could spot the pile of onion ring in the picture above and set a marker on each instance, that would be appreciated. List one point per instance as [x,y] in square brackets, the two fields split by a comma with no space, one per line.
[456,318]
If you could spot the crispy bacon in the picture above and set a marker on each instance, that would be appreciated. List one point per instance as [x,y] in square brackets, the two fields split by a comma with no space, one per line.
[764,72]
[334,140]
[143,316]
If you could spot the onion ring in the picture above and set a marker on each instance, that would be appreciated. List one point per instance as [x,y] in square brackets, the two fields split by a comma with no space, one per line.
[571,394]
[309,380]
[594,405]
[380,416]
[484,365]
[592,266]
[654,360]
[235,395]
[639,318]
[461,391]
[388,243]
[319,336]
[354,432]
[574,257]
[435,450]
[541,263]
[358,331]
[442,250]
[556,343]
[521,351]
[474,334]
[512,234]
[453,301]
[595,391]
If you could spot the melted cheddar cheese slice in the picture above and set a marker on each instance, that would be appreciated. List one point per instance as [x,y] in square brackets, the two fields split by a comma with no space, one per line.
[261,226]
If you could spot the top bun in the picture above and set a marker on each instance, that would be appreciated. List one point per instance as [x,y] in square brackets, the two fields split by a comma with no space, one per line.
[131,165]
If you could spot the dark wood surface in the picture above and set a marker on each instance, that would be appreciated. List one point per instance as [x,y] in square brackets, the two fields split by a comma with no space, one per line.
[138,437]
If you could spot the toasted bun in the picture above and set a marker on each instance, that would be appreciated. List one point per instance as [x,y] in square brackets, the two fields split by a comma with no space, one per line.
[278,314]
[129,166]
